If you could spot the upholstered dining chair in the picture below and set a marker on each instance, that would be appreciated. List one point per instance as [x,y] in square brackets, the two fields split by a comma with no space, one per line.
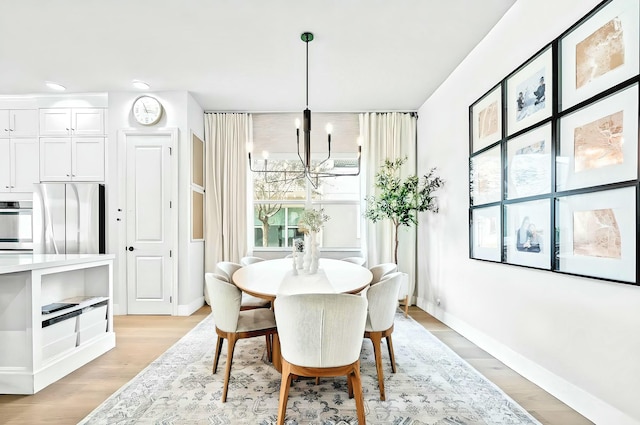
[233,324]
[314,341]
[355,260]
[227,268]
[383,300]
[248,301]
[245,261]
[380,270]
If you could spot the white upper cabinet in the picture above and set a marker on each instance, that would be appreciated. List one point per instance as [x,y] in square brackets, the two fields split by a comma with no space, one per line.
[19,164]
[72,122]
[18,123]
[72,159]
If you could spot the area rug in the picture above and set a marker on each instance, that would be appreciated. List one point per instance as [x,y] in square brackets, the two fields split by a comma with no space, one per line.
[432,386]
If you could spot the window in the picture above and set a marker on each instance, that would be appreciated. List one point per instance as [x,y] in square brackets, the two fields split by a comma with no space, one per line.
[279,198]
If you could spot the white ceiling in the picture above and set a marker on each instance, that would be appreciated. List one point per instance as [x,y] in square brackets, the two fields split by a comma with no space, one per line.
[244,55]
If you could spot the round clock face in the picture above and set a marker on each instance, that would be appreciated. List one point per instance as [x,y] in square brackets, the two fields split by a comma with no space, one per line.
[147,110]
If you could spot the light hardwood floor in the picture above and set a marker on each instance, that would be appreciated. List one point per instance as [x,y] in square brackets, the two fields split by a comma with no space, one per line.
[141,339]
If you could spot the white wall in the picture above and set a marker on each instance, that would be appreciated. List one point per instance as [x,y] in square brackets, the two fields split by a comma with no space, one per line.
[576,337]
[183,113]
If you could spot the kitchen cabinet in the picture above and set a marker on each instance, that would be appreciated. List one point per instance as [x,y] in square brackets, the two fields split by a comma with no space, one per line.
[18,123]
[72,122]
[72,159]
[40,347]
[19,164]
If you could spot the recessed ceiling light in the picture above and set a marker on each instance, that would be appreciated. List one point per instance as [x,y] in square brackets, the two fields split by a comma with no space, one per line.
[140,85]
[55,86]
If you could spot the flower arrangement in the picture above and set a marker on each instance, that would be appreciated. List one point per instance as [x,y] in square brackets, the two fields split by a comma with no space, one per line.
[311,220]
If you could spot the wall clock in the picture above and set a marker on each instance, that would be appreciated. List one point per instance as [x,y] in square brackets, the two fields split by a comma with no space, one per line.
[147,110]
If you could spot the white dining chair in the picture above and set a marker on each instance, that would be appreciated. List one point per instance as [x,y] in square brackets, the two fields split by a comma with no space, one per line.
[403,292]
[314,341]
[245,261]
[380,270]
[383,300]
[233,324]
[355,260]
[226,269]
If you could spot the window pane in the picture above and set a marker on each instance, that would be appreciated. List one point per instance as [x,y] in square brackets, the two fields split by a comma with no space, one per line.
[343,228]
[269,222]
[338,189]
[281,182]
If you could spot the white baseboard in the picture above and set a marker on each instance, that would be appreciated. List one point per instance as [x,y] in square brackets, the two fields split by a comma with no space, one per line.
[593,408]
[192,307]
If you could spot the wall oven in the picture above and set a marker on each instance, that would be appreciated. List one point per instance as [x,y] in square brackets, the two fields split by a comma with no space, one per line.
[16,226]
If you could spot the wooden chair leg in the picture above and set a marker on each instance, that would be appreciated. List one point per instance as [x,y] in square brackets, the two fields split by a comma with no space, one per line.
[376,338]
[392,357]
[284,391]
[269,354]
[216,358]
[350,385]
[317,380]
[357,389]
[227,372]
[406,306]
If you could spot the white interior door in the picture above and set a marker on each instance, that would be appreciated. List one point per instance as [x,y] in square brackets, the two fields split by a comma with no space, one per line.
[150,217]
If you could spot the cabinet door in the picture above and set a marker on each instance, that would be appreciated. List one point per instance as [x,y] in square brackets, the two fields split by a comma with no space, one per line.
[24,123]
[5,124]
[5,165]
[87,121]
[55,122]
[87,158]
[55,159]
[25,168]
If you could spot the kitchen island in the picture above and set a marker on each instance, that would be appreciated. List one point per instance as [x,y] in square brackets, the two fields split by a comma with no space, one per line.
[38,346]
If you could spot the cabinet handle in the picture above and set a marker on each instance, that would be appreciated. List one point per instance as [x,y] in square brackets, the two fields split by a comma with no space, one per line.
[6,187]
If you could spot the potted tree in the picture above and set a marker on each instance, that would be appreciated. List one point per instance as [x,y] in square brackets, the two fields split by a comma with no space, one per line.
[400,200]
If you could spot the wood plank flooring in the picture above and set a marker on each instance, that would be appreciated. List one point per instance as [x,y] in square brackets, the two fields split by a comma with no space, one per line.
[141,339]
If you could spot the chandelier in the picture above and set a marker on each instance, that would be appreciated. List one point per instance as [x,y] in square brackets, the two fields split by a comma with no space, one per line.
[312,172]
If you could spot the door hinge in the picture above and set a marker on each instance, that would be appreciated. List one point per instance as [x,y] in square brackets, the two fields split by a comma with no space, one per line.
[170,299]
[170,204]
[170,253]
[170,150]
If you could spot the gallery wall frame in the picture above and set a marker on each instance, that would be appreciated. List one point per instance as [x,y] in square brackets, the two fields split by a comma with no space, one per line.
[530,92]
[559,189]
[486,119]
[600,51]
[598,144]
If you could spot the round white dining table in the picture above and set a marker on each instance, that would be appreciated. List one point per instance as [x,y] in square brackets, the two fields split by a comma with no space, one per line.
[270,278]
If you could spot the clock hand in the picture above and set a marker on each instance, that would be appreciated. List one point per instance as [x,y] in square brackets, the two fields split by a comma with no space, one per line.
[145,108]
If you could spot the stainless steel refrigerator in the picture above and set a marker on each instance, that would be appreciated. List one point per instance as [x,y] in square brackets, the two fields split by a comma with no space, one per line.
[69,218]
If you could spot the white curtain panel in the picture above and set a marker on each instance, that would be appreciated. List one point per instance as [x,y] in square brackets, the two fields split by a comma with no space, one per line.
[388,135]
[226,137]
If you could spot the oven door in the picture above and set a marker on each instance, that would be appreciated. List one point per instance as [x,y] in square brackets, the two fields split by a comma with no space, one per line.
[16,226]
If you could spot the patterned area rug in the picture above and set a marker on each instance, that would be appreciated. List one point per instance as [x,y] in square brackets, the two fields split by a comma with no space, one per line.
[432,386]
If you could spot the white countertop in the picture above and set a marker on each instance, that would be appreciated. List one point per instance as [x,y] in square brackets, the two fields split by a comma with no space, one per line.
[12,263]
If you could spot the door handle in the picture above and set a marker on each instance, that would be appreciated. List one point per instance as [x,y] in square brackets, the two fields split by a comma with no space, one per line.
[131,248]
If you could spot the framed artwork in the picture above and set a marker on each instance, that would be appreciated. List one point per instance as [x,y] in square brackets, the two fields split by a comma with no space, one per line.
[486,233]
[527,235]
[529,93]
[599,143]
[601,52]
[197,215]
[529,163]
[596,234]
[485,177]
[486,120]
[197,161]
